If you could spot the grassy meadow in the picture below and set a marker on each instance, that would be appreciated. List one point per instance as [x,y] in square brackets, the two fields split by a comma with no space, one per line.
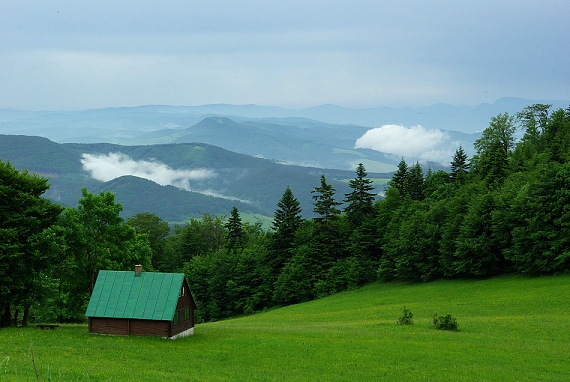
[510,329]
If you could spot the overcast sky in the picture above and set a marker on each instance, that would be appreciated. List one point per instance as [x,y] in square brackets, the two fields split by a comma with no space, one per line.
[78,54]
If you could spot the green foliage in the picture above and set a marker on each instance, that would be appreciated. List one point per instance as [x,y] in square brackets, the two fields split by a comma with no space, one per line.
[494,148]
[287,220]
[399,180]
[447,322]
[157,232]
[416,185]
[235,231]
[540,241]
[227,283]
[477,253]
[533,120]
[325,204]
[459,166]
[361,199]
[24,254]
[93,237]
[293,284]
[406,318]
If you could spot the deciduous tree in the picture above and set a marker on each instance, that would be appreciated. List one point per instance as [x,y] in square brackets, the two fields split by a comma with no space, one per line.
[24,215]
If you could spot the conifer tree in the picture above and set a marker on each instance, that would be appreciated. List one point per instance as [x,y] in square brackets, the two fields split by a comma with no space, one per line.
[415,181]
[287,219]
[459,166]
[325,205]
[324,244]
[400,179]
[235,230]
[361,199]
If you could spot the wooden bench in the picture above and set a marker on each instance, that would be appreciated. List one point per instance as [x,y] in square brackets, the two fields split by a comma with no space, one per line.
[51,326]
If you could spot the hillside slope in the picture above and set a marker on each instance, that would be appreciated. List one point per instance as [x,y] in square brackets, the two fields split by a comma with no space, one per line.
[510,329]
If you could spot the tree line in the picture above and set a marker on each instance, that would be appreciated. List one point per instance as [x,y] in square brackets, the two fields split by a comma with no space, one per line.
[505,210]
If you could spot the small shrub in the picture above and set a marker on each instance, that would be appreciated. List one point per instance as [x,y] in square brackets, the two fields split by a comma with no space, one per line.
[447,322]
[406,318]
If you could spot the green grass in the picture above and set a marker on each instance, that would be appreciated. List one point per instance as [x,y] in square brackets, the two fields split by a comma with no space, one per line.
[510,329]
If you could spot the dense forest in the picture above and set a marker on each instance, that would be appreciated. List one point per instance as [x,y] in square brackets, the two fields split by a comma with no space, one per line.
[504,210]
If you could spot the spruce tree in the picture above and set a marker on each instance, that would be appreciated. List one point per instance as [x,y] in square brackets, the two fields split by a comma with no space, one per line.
[415,182]
[361,199]
[459,166]
[324,244]
[325,205]
[400,179]
[235,230]
[287,219]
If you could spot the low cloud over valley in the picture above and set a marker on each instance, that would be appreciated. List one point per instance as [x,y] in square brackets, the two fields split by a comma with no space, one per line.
[411,143]
[113,165]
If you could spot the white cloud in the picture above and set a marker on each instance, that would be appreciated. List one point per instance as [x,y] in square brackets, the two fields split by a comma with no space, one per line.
[216,194]
[113,165]
[414,142]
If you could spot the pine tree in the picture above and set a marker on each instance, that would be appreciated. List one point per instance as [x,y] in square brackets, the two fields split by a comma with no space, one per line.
[361,199]
[287,219]
[459,166]
[400,179]
[235,230]
[415,182]
[325,205]
[324,244]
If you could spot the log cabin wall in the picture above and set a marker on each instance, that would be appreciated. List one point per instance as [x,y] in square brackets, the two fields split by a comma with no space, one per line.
[123,326]
[150,328]
[114,326]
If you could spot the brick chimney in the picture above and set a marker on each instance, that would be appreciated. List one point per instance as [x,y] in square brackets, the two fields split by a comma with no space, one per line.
[138,268]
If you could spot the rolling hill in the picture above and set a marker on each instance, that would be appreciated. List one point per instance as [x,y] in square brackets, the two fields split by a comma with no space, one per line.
[251,184]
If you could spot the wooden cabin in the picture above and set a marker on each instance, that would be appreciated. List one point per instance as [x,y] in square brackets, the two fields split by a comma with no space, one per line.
[141,303]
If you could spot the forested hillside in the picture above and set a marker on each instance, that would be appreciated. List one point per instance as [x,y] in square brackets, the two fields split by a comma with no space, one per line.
[504,210]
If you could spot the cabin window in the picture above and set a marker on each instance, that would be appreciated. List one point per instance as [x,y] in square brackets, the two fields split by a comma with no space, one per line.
[176,319]
[186,314]
[181,292]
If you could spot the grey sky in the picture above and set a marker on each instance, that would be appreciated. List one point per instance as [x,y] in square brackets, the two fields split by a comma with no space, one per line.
[71,54]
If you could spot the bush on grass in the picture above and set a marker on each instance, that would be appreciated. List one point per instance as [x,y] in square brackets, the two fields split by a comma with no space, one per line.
[406,318]
[447,322]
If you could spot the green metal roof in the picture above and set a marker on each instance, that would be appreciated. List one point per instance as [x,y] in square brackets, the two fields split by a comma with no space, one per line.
[121,294]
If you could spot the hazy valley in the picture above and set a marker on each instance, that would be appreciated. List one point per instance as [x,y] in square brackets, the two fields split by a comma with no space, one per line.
[181,162]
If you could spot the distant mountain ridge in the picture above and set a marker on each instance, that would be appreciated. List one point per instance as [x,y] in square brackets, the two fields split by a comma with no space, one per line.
[253,185]
[254,151]
[320,136]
